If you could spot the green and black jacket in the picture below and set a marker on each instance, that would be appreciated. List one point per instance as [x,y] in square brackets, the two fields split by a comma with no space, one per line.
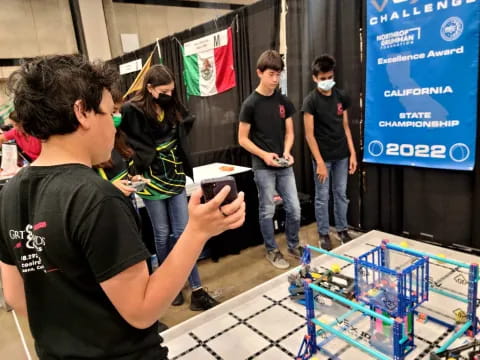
[160,151]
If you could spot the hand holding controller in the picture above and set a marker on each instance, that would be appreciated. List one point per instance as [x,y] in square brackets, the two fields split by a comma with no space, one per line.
[282,162]
[138,185]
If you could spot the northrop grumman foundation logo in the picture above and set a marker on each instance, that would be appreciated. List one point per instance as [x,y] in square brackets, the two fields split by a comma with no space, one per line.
[451,28]
[381,4]
[399,38]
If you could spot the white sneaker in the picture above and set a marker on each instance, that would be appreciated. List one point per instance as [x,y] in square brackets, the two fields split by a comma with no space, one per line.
[277,259]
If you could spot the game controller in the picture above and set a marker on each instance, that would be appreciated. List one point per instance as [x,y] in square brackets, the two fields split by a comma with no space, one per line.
[138,185]
[282,162]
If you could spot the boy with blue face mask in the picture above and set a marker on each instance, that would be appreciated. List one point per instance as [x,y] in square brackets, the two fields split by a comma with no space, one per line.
[330,141]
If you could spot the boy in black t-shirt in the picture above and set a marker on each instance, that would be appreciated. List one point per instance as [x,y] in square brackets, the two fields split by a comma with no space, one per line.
[71,256]
[266,131]
[330,141]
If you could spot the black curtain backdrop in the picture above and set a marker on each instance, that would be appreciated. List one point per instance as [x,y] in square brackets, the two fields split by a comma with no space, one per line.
[256,28]
[426,204]
[315,27]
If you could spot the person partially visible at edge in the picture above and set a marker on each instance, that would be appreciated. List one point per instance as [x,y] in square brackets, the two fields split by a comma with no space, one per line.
[157,126]
[329,138]
[29,146]
[266,131]
[71,256]
[116,169]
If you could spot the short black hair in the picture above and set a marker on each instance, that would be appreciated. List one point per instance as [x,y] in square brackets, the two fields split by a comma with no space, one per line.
[322,64]
[270,60]
[46,88]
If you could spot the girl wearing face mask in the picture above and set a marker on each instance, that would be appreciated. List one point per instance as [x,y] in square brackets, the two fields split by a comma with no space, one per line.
[157,125]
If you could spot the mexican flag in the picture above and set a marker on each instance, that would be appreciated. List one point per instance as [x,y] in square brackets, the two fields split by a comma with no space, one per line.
[208,64]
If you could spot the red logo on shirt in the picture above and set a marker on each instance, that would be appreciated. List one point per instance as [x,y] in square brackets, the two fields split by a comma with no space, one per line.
[339,109]
[40,225]
[282,111]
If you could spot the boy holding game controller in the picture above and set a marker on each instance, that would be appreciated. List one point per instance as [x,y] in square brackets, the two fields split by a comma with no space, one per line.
[266,131]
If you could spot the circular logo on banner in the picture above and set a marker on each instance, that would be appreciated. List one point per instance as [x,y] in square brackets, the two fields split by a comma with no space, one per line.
[459,152]
[451,28]
[375,148]
[207,70]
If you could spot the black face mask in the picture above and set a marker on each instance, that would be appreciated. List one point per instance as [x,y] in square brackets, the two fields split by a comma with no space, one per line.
[163,100]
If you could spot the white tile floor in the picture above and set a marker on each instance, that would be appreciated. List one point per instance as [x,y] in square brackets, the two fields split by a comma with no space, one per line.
[265,324]
[274,354]
[212,328]
[252,307]
[238,343]
[276,322]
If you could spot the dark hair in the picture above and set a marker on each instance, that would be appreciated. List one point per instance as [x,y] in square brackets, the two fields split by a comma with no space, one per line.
[158,75]
[117,95]
[322,64]
[121,145]
[46,88]
[271,60]
[13,116]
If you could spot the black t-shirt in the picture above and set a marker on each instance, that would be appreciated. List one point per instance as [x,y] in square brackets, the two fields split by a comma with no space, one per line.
[327,114]
[266,115]
[66,229]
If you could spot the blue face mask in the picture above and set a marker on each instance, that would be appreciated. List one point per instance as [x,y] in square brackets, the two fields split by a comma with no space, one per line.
[117,120]
[326,85]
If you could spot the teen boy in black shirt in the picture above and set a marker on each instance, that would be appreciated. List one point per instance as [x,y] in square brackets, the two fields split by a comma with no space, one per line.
[266,131]
[330,141]
[71,256]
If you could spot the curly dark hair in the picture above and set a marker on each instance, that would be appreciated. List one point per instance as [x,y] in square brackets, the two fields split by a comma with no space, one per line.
[46,88]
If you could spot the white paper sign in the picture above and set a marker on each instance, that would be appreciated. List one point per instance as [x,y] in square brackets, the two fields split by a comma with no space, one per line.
[132,66]
[206,43]
[9,159]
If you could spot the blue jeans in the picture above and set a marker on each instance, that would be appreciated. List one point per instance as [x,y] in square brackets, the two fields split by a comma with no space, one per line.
[282,180]
[169,218]
[337,176]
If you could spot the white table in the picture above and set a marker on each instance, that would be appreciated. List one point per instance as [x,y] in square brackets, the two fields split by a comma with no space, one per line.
[263,323]
[213,170]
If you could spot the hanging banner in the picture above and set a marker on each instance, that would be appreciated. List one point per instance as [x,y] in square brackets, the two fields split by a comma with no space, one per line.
[208,64]
[422,82]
